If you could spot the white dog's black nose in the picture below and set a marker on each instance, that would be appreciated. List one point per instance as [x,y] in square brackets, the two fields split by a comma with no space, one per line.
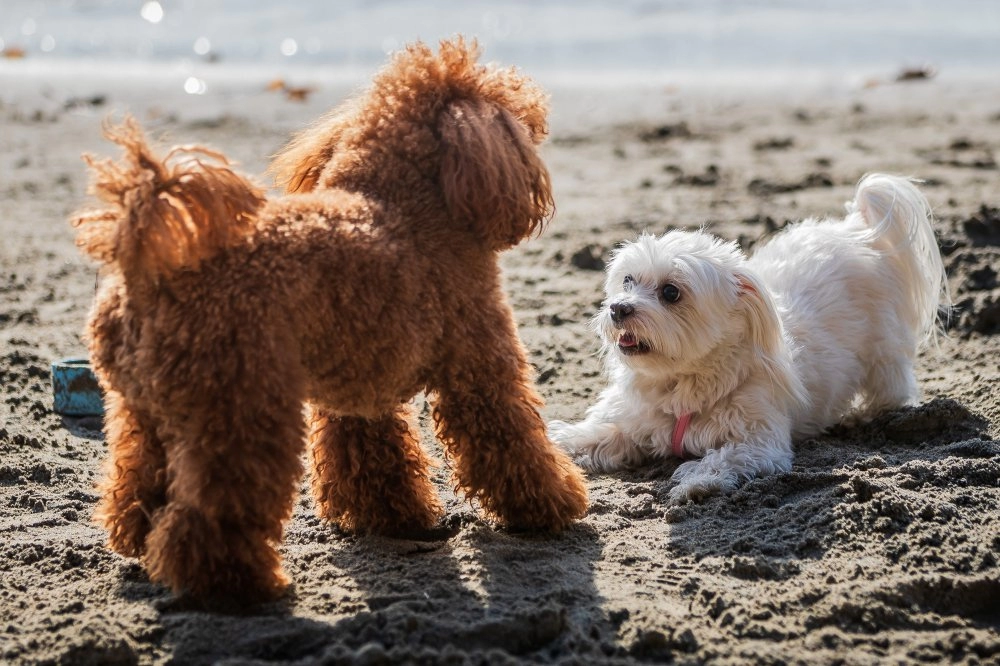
[619,311]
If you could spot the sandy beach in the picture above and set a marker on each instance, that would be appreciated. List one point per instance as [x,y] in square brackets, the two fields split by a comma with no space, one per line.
[880,546]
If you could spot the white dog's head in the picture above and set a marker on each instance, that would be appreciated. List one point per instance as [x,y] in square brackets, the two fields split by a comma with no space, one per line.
[674,301]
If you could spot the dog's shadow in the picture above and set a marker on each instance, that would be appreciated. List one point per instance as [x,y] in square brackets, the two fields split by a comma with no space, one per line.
[483,590]
[778,521]
[466,589]
[84,427]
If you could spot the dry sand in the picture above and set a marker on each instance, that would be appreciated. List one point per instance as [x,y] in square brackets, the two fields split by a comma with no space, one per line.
[880,545]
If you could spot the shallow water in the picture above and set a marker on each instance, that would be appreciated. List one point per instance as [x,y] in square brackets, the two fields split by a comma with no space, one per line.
[630,40]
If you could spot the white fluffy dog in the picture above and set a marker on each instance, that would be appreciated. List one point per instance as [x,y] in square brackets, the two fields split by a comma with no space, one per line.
[714,356]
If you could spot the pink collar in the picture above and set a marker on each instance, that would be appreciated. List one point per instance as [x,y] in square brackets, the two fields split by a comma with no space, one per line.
[677,439]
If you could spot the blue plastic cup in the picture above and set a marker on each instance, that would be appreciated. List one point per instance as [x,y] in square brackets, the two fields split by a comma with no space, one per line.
[75,389]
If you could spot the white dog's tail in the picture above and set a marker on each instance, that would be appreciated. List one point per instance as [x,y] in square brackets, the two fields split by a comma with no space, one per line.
[901,222]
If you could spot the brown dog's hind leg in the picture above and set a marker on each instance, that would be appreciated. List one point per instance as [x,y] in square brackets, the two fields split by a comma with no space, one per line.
[486,415]
[371,475]
[135,485]
[233,472]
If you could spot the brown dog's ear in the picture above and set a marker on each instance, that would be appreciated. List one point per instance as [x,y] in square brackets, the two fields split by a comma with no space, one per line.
[491,173]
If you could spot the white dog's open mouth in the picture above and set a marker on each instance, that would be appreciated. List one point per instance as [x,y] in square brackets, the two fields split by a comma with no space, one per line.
[629,344]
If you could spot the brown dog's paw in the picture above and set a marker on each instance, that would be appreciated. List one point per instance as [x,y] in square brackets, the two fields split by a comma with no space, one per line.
[210,562]
[386,518]
[549,501]
[127,526]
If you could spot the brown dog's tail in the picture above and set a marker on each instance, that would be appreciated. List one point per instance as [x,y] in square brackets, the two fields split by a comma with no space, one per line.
[162,214]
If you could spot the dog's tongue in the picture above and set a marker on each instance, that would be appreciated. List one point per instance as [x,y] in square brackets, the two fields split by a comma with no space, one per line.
[627,340]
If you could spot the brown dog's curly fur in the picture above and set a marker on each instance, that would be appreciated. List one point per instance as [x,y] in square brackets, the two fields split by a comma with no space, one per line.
[223,312]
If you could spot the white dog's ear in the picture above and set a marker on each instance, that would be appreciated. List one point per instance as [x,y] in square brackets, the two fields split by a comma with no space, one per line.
[763,323]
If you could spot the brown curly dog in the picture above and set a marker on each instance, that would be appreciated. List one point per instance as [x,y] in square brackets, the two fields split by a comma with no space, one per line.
[222,312]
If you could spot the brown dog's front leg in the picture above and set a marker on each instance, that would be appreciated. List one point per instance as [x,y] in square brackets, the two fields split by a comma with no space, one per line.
[486,415]
[371,475]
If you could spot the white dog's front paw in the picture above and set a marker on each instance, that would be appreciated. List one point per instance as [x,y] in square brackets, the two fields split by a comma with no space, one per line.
[574,440]
[599,447]
[560,433]
[700,479]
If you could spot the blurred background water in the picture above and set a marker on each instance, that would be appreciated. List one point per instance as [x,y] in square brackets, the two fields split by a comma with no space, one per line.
[626,41]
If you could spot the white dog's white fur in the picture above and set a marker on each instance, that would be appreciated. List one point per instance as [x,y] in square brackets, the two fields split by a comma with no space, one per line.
[823,322]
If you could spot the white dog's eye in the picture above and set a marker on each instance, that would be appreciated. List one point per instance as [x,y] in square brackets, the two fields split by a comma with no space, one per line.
[670,293]
[628,282]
